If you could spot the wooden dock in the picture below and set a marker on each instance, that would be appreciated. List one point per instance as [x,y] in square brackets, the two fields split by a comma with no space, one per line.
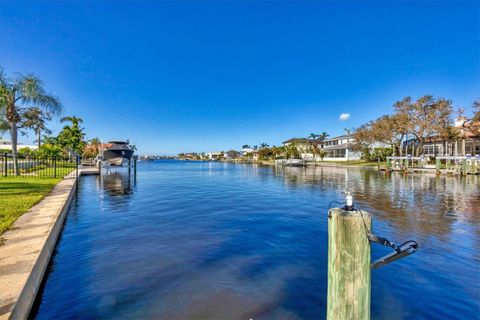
[464,165]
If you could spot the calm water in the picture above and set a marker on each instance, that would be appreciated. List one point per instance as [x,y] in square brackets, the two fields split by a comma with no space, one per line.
[222,241]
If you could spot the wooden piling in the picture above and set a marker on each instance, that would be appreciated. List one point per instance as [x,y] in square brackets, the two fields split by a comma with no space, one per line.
[135,166]
[348,265]
[99,166]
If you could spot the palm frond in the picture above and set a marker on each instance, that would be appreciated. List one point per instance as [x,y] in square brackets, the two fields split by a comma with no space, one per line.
[31,91]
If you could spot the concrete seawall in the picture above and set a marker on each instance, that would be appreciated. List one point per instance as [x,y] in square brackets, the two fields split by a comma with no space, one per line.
[28,246]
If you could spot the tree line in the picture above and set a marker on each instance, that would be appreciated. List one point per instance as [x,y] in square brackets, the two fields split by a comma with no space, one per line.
[25,106]
[416,121]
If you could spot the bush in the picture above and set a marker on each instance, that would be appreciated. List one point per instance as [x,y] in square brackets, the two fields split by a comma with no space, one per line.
[376,153]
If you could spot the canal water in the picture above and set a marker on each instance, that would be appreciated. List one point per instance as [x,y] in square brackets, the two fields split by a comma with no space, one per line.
[202,240]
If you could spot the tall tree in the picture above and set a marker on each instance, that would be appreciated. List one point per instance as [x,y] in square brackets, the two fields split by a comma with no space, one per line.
[36,119]
[364,135]
[421,117]
[388,129]
[96,143]
[313,136]
[323,136]
[472,123]
[314,149]
[18,93]
[72,136]
[92,149]
[391,129]
[443,122]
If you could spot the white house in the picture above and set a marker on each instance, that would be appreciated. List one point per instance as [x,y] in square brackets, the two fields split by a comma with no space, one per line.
[7,145]
[336,149]
[244,151]
[214,155]
[340,149]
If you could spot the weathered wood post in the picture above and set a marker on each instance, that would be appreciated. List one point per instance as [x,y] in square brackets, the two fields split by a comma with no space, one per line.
[135,166]
[348,265]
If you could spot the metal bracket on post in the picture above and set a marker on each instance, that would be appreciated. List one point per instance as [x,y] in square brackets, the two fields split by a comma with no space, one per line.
[403,250]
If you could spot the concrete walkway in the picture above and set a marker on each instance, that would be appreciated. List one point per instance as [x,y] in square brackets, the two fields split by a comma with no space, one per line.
[27,247]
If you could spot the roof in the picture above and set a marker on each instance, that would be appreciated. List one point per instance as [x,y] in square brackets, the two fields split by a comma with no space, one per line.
[302,140]
[344,136]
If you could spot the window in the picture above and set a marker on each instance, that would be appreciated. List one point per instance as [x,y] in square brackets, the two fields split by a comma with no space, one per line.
[337,153]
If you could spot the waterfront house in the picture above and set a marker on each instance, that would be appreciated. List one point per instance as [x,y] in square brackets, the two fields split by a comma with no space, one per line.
[190,156]
[7,145]
[214,155]
[467,143]
[341,148]
[304,147]
[249,152]
[245,151]
[231,154]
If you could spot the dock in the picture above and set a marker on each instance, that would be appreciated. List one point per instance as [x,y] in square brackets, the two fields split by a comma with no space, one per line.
[449,165]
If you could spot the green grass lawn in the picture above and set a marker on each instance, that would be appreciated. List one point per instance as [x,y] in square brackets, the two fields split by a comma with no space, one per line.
[45,172]
[17,195]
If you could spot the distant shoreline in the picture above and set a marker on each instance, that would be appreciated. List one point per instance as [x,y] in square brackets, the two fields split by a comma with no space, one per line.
[339,164]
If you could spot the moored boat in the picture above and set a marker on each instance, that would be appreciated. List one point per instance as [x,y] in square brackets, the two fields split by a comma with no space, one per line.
[117,153]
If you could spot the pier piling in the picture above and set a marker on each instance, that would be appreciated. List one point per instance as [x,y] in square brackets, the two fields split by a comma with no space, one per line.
[348,265]
[135,168]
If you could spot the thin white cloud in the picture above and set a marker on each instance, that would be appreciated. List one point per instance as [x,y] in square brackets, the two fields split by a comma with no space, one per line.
[344,117]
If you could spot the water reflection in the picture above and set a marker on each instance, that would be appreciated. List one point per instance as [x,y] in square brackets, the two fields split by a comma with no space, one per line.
[116,181]
[215,240]
[447,198]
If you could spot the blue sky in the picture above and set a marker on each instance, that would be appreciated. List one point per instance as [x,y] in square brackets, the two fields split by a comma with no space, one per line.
[199,76]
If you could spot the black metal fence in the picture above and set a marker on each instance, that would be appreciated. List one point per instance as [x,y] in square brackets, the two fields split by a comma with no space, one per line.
[38,167]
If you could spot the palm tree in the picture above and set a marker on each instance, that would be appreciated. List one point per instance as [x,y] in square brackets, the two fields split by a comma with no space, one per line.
[314,149]
[313,136]
[323,136]
[246,146]
[263,145]
[348,132]
[95,143]
[74,120]
[15,95]
[292,151]
[35,119]
[50,140]
[72,136]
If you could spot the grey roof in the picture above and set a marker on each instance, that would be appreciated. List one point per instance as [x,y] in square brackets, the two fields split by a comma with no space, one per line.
[344,136]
